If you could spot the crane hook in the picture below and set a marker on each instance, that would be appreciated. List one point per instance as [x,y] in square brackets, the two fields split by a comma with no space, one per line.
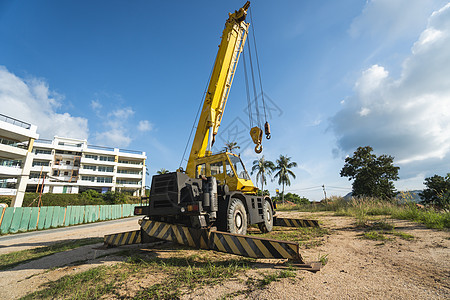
[267,130]
[258,148]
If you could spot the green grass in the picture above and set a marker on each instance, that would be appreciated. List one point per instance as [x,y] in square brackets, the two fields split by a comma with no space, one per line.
[179,273]
[10,260]
[90,284]
[269,278]
[379,229]
[364,208]
[303,235]
[404,236]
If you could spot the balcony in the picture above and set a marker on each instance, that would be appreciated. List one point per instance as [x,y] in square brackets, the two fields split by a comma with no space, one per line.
[8,192]
[44,169]
[12,152]
[130,176]
[94,183]
[129,185]
[42,156]
[12,170]
[130,165]
[17,130]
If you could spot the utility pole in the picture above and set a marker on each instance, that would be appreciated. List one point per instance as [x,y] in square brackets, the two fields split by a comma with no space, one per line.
[324,192]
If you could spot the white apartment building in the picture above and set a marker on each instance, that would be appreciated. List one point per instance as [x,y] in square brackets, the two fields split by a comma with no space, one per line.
[68,165]
[16,156]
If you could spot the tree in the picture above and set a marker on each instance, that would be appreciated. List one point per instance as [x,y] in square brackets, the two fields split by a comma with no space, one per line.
[373,176]
[262,167]
[229,146]
[162,171]
[437,191]
[283,166]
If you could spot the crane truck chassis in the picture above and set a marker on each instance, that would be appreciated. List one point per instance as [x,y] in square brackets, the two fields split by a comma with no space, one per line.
[210,205]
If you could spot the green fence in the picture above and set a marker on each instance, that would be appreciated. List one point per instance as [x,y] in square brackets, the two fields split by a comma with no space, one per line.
[22,219]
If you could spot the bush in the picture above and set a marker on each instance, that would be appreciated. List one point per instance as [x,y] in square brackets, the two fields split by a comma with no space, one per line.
[114,197]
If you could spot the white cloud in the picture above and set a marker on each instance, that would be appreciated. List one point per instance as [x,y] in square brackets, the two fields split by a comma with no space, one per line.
[407,117]
[122,113]
[96,105]
[117,131]
[33,102]
[114,137]
[389,20]
[145,125]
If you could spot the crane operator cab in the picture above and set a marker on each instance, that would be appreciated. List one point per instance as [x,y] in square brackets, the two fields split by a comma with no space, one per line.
[228,169]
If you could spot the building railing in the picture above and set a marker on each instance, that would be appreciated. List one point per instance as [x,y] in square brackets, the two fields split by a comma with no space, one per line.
[131,151]
[100,148]
[22,145]
[10,163]
[15,122]
[44,141]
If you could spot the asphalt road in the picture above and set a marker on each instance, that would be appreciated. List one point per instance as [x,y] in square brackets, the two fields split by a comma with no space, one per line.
[27,240]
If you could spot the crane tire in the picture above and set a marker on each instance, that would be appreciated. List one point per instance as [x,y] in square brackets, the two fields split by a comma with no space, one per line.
[237,217]
[267,225]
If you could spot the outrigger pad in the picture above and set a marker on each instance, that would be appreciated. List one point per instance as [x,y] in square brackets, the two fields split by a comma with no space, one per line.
[311,266]
[295,222]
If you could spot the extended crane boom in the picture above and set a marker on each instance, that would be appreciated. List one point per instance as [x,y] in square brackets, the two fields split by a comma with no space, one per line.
[230,48]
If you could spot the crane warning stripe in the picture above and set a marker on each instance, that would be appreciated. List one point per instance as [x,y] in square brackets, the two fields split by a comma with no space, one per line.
[176,233]
[296,222]
[123,238]
[253,246]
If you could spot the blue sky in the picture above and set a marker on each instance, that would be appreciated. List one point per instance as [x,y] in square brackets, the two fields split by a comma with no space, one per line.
[339,74]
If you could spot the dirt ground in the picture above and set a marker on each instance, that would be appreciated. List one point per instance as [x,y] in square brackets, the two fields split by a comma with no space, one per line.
[356,268]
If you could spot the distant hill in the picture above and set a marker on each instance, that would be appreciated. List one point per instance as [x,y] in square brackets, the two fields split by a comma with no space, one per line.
[412,195]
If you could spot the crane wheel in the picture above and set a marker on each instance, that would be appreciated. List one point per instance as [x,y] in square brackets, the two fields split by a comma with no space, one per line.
[258,148]
[267,225]
[237,217]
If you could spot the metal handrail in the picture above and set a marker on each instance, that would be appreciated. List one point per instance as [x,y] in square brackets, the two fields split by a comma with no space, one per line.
[15,122]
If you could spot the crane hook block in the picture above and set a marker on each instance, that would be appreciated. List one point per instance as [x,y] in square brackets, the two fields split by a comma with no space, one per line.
[267,130]
[256,134]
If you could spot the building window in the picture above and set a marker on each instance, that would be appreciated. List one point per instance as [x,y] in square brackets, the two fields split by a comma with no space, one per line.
[130,162]
[67,162]
[104,179]
[42,151]
[89,167]
[41,163]
[105,169]
[66,173]
[90,156]
[107,158]
[129,172]
[55,172]
[88,178]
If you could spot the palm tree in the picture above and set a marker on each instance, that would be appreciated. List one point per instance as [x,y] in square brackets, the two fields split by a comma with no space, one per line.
[262,167]
[162,171]
[283,166]
[229,146]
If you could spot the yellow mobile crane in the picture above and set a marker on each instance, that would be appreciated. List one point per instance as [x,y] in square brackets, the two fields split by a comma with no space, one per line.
[215,192]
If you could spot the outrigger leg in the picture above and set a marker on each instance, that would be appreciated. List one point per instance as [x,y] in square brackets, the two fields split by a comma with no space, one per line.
[243,245]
